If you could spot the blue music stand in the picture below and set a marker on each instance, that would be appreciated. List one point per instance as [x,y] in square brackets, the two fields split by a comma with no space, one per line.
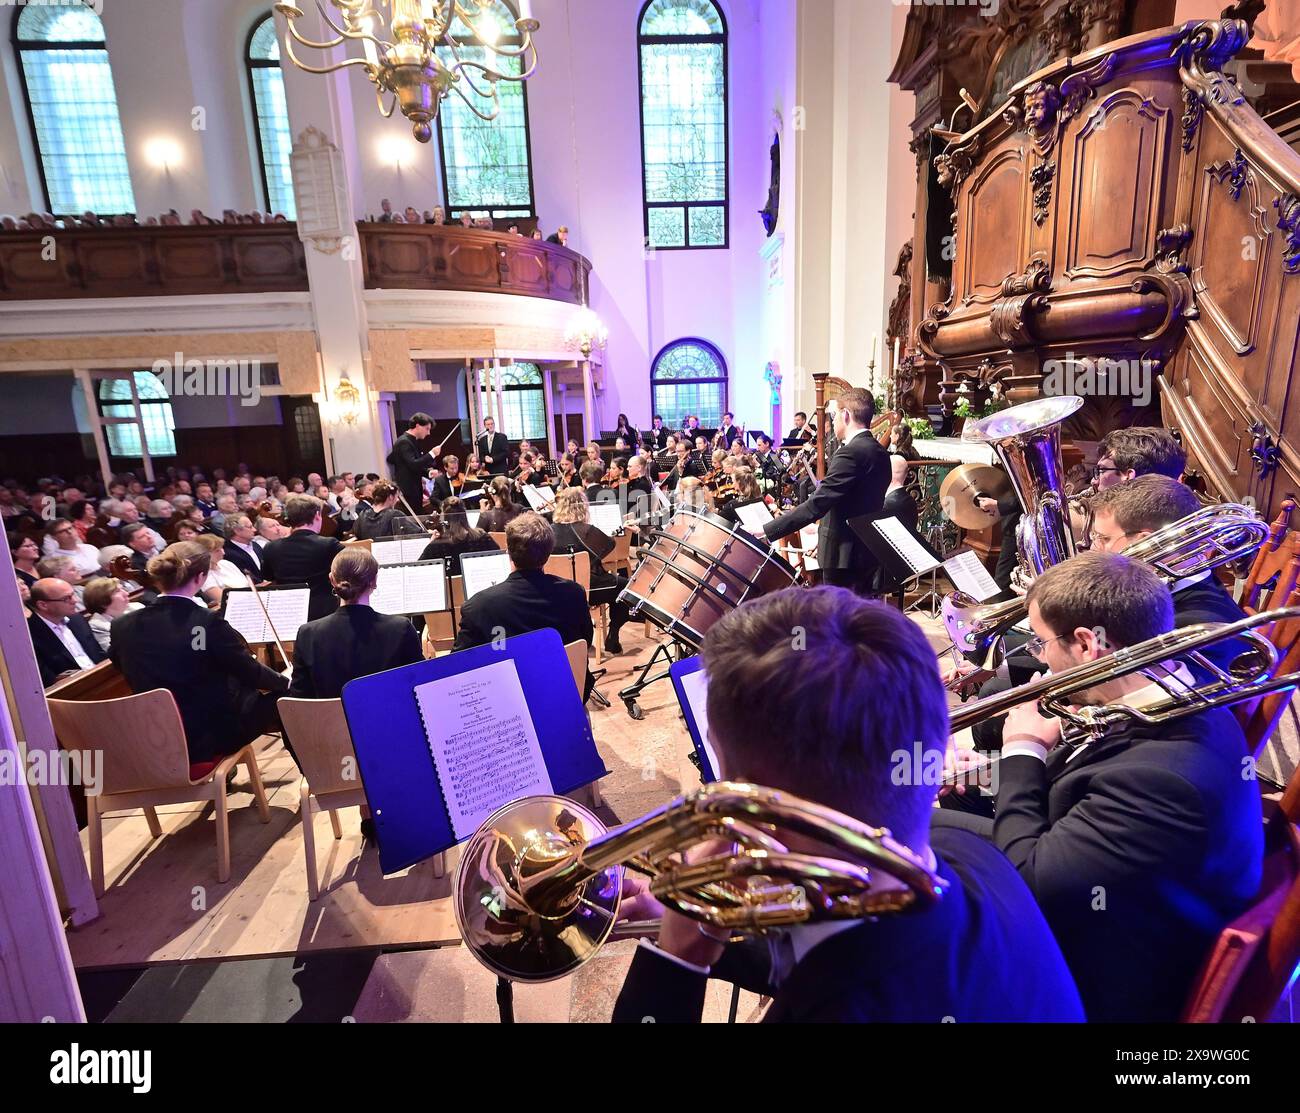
[397,769]
[679,671]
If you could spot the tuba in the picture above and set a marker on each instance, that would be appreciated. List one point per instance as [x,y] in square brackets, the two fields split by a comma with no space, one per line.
[538,888]
[1251,674]
[1027,439]
[1204,540]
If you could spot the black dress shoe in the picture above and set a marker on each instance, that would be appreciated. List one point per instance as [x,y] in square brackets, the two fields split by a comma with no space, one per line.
[368,828]
[613,648]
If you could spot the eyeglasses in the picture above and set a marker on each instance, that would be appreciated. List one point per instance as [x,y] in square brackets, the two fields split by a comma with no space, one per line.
[1098,469]
[1036,645]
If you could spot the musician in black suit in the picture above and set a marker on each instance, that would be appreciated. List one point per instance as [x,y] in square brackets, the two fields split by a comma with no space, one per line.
[529,599]
[727,432]
[62,639]
[240,548]
[843,753]
[802,431]
[384,517]
[225,696]
[450,483]
[855,484]
[411,463]
[493,448]
[304,557]
[655,439]
[1139,846]
[356,640]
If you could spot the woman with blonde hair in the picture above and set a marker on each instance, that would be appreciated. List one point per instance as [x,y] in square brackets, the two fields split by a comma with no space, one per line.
[747,491]
[356,640]
[225,696]
[574,533]
[106,600]
[692,493]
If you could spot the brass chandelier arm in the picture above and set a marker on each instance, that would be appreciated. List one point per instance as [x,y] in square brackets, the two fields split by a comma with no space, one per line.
[292,14]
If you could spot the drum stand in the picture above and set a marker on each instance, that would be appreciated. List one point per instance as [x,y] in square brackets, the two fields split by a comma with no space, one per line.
[663,653]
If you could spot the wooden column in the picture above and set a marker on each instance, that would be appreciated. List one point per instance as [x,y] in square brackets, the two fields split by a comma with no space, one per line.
[552,449]
[498,392]
[139,422]
[96,425]
[564,417]
[819,385]
[471,400]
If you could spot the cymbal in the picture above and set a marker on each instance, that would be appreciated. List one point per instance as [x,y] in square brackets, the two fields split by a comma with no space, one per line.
[963,485]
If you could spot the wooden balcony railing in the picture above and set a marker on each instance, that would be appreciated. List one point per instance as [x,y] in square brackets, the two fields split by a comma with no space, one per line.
[265,258]
[152,261]
[449,257]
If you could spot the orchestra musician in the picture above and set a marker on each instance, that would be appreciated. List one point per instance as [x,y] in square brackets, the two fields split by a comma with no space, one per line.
[591,478]
[574,533]
[410,463]
[568,476]
[354,641]
[855,484]
[728,431]
[503,510]
[631,436]
[226,698]
[384,517]
[838,751]
[802,431]
[690,427]
[744,490]
[656,437]
[493,448]
[456,536]
[451,482]
[685,465]
[1156,817]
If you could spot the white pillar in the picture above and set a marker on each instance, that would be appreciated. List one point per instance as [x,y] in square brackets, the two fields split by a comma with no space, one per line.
[471,400]
[498,390]
[554,450]
[564,416]
[139,423]
[588,404]
[96,425]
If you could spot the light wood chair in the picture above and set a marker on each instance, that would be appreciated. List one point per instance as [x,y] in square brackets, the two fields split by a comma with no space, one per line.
[577,567]
[620,557]
[1248,970]
[358,543]
[440,626]
[139,741]
[500,539]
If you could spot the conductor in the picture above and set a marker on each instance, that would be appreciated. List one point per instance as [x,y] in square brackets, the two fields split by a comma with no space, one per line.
[410,462]
[855,484]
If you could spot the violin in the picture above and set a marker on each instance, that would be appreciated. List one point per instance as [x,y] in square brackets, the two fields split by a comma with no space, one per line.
[120,569]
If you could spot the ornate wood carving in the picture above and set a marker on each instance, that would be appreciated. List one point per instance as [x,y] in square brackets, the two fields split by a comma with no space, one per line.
[1170,243]
[1041,178]
[1234,172]
[1288,223]
[1193,110]
[900,309]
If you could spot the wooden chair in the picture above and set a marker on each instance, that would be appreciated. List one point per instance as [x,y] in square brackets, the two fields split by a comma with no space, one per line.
[440,626]
[1252,962]
[1276,567]
[145,762]
[500,539]
[358,543]
[620,558]
[577,567]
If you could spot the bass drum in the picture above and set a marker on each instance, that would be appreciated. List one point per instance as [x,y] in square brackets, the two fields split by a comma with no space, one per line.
[696,570]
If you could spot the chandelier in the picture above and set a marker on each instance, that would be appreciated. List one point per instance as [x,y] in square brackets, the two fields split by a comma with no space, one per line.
[438,46]
[585,331]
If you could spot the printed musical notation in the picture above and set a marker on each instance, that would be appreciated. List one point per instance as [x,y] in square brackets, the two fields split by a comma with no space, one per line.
[286,606]
[483,741]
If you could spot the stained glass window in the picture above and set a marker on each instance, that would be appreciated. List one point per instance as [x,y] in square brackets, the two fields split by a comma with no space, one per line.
[271,117]
[523,403]
[63,60]
[486,165]
[155,414]
[689,377]
[683,48]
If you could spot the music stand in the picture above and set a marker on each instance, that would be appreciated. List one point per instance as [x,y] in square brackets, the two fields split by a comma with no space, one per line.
[904,555]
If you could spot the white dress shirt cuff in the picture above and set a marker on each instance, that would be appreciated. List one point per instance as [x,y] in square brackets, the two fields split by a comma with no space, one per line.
[1027,749]
[654,947]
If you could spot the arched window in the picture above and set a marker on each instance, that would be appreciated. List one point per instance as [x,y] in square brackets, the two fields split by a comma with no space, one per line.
[72,106]
[270,117]
[523,403]
[155,413]
[486,164]
[689,377]
[683,48]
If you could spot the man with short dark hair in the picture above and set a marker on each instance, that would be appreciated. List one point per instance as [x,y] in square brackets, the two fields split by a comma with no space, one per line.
[411,463]
[806,717]
[493,448]
[304,557]
[656,437]
[1140,845]
[1124,454]
[529,599]
[855,484]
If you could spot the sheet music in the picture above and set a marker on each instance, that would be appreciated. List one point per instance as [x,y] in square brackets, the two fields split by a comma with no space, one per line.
[606,517]
[411,588]
[695,685]
[399,550]
[905,545]
[286,606]
[754,515]
[482,570]
[539,498]
[472,515]
[483,741]
[970,576]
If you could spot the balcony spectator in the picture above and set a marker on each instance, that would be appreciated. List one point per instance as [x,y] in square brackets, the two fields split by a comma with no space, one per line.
[560,236]
[386,215]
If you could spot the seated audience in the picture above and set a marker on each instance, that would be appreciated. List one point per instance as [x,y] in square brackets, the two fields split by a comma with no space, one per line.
[355,640]
[106,600]
[304,557]
[455,536]
[225,696]
[574,533]
[25,554]
[63,540]
[241,550]
[61,568]
[62,639]
[839,747]
[1140,845]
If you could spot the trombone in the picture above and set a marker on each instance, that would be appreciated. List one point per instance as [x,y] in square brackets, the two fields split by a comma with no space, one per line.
[1252,673]
[538,889]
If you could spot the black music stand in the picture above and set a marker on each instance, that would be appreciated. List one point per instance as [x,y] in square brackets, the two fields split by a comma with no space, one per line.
[898,566]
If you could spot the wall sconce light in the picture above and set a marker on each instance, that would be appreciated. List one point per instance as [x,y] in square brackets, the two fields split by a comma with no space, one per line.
[162,153]
[346,403]
[395,151]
